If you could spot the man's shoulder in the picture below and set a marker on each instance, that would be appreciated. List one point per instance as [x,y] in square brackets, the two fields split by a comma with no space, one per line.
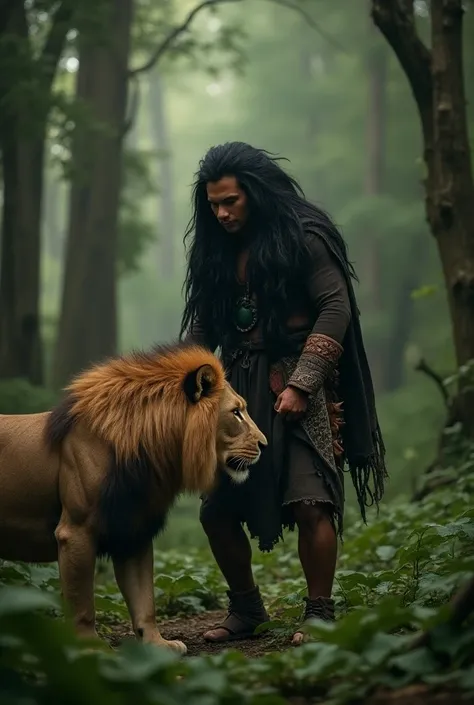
[314,240]
[312,229]
[321,247]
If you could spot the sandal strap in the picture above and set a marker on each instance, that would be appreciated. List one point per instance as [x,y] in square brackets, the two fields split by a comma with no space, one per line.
[320,608]
[237,624]
[246,611]
[248,603]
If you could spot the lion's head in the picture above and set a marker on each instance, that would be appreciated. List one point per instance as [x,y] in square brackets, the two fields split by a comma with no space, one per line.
[172,407]
[238,438]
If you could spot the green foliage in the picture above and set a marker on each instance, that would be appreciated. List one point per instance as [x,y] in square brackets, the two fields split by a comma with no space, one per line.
[70,115]
[422,291]
[18,396]
[394,578]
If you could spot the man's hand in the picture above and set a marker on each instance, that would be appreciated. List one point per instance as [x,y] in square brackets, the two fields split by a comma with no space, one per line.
[292,404]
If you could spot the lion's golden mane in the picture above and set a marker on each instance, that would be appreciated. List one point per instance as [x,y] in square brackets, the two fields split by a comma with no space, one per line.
[158,413]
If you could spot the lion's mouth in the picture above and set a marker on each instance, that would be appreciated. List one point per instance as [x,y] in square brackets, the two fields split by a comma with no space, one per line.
[239,468]
[238,464]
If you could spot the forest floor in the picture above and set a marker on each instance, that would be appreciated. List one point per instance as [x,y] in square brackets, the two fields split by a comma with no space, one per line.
[191,628]
[394,577]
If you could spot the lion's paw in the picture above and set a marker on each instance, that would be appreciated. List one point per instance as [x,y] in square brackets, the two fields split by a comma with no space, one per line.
[177,646]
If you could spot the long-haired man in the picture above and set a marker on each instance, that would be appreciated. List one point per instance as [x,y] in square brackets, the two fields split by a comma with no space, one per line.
[269,283]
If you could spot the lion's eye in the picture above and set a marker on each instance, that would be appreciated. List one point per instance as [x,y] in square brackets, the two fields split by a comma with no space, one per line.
[238,414]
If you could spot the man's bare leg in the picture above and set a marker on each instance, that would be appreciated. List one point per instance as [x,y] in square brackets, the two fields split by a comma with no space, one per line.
[317,547]
[233,554]
[135,579]
[232,551]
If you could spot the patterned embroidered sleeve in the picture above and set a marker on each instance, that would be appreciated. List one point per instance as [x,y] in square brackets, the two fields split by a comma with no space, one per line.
[328,294]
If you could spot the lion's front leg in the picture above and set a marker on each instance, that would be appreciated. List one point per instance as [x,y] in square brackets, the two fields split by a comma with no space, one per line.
[135,580]
[77,557]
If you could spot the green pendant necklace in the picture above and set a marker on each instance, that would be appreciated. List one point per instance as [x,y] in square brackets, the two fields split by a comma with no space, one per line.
[245,312]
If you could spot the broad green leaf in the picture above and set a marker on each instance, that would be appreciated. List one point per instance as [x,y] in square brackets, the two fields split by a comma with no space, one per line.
[386,553]
[21,600]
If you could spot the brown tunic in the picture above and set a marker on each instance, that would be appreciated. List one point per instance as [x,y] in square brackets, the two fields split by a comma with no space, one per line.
[299,459]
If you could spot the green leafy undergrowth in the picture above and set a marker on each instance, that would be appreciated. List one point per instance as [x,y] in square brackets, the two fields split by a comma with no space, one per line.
[42,662]
[395,577]
[18,396]
[415,553]
[184,584]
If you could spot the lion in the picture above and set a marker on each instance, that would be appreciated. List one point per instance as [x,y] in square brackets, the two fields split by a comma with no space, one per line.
[97,475]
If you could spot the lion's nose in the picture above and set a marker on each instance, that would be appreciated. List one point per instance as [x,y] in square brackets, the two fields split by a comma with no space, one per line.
[262,441]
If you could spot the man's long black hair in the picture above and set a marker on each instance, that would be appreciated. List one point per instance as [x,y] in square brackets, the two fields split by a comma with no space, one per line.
[278,249]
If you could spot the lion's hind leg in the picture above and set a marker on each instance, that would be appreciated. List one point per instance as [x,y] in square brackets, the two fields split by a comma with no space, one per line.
[76,558]
[135,579]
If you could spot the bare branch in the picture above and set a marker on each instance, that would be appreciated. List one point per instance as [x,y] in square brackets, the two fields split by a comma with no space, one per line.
[54,44]
[162,48]
[396,20]
[134,105]
[311,23]
[423,366]
[432,486]
[174,34]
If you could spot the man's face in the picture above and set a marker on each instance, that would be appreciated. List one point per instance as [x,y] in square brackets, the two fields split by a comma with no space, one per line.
[229,203]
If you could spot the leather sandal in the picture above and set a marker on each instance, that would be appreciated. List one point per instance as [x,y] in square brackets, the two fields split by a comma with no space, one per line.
[320,608]
[246,612]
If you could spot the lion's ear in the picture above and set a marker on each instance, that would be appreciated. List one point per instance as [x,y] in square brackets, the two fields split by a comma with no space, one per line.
[199,383]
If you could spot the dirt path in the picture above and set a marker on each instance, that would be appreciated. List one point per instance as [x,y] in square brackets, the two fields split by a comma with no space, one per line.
[190,630]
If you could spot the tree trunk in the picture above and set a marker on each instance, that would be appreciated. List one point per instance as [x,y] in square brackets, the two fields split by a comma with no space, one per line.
[451,203]
[166,230]
[88,320]
[22,140]
[23,156]
[437,81]
[20,342]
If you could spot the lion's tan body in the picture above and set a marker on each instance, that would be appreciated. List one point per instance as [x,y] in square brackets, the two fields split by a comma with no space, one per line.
[30,510]
[29,496]
[71,480]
